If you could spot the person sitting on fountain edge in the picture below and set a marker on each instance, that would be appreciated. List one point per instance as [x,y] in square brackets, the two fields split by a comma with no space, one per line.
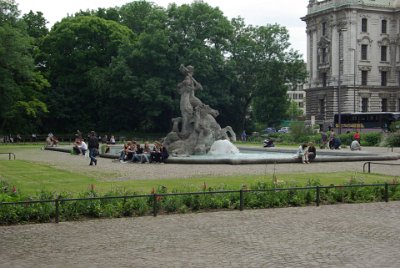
[302,153]
[311,151]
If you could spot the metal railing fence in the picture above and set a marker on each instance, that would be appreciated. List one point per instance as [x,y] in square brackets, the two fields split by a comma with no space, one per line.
[368,164]
[156,198]
[9,155]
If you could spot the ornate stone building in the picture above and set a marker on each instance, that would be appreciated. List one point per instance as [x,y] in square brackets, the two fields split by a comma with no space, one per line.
[353,57]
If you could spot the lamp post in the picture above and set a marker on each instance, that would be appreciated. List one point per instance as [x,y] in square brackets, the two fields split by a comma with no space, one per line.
[340,30]
[354,77]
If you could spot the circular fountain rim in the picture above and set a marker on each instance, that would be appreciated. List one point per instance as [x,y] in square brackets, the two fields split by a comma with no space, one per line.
[347,156]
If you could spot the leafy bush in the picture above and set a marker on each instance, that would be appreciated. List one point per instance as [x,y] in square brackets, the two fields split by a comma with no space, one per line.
[394,126]
[346,138]
[259,195]
[371,138]
[136,207]
[393,140]
[299,131]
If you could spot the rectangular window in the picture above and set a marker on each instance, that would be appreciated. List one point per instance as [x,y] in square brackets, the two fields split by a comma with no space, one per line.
[324,79]
[364,78]
[323,28]
[383,53]
[364,52]
[384,105]
[383,78]
[322,107]
[301,96]
[398,78]
[364,25]
[364,105]
[398,105]
[323,55]
[384,26]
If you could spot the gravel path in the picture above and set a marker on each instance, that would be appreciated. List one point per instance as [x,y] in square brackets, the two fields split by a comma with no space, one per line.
[108,169]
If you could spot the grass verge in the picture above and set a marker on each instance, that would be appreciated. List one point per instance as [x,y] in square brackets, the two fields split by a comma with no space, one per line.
[30,178]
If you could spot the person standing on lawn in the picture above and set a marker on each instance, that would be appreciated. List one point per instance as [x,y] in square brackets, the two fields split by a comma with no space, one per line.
[93,145]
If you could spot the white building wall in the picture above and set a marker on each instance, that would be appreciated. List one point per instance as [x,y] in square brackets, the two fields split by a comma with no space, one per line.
[346,15]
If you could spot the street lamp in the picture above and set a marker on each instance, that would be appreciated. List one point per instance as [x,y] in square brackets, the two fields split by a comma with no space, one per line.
[340,30]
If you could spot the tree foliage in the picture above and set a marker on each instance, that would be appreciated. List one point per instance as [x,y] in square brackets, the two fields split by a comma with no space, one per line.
[79,50]
[21,85]
[263,66]
[116,69]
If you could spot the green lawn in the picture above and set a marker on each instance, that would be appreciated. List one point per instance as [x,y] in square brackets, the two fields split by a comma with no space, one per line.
[30,178]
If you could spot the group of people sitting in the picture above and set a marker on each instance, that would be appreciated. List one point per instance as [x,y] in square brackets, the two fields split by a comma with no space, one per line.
[80,146]
[107,140]
[333,142]
[51,140]
[134,152]
[306,152]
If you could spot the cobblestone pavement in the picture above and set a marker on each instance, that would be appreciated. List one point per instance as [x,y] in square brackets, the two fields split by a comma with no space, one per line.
[349,235]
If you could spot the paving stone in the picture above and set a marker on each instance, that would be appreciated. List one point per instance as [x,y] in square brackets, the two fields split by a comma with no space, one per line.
[349,235]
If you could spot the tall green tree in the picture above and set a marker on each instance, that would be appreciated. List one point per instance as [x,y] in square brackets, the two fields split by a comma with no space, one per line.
[263,64]
[79,51]
[189,34]
[36,24]
[293,111]
[21,84]
[200,36]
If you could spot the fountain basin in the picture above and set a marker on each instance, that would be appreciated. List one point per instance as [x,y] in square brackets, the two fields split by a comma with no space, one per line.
[253,155]
[250,155]
[271,155]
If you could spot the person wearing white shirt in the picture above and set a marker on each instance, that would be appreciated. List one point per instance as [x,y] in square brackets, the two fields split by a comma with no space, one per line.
[355,146]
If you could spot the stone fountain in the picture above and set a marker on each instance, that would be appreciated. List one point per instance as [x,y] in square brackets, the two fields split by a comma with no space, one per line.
[196,130]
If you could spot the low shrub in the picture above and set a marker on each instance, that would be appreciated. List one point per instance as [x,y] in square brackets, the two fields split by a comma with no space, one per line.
[392,140]
[259,195]
[346,138]
[371,138]
[299,131]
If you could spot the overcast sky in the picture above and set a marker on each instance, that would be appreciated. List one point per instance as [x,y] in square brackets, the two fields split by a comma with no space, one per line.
[256,12]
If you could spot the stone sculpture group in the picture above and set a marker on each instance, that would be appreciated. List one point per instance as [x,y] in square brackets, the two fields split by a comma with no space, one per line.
[196,130]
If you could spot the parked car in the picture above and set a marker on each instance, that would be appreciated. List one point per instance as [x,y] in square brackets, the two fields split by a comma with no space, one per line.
[284,130]
[270,130]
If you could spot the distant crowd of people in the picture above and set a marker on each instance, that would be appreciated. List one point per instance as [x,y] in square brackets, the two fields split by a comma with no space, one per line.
[333,142]
[11,139]
[307,152]
[134,152]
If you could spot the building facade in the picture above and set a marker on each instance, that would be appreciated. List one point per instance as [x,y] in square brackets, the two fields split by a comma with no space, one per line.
[298,96]
[353,57]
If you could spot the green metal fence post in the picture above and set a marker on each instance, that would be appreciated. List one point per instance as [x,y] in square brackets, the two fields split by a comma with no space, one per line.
[154,205]
[317,196]
[386,192]
[241,200]
[57,209]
